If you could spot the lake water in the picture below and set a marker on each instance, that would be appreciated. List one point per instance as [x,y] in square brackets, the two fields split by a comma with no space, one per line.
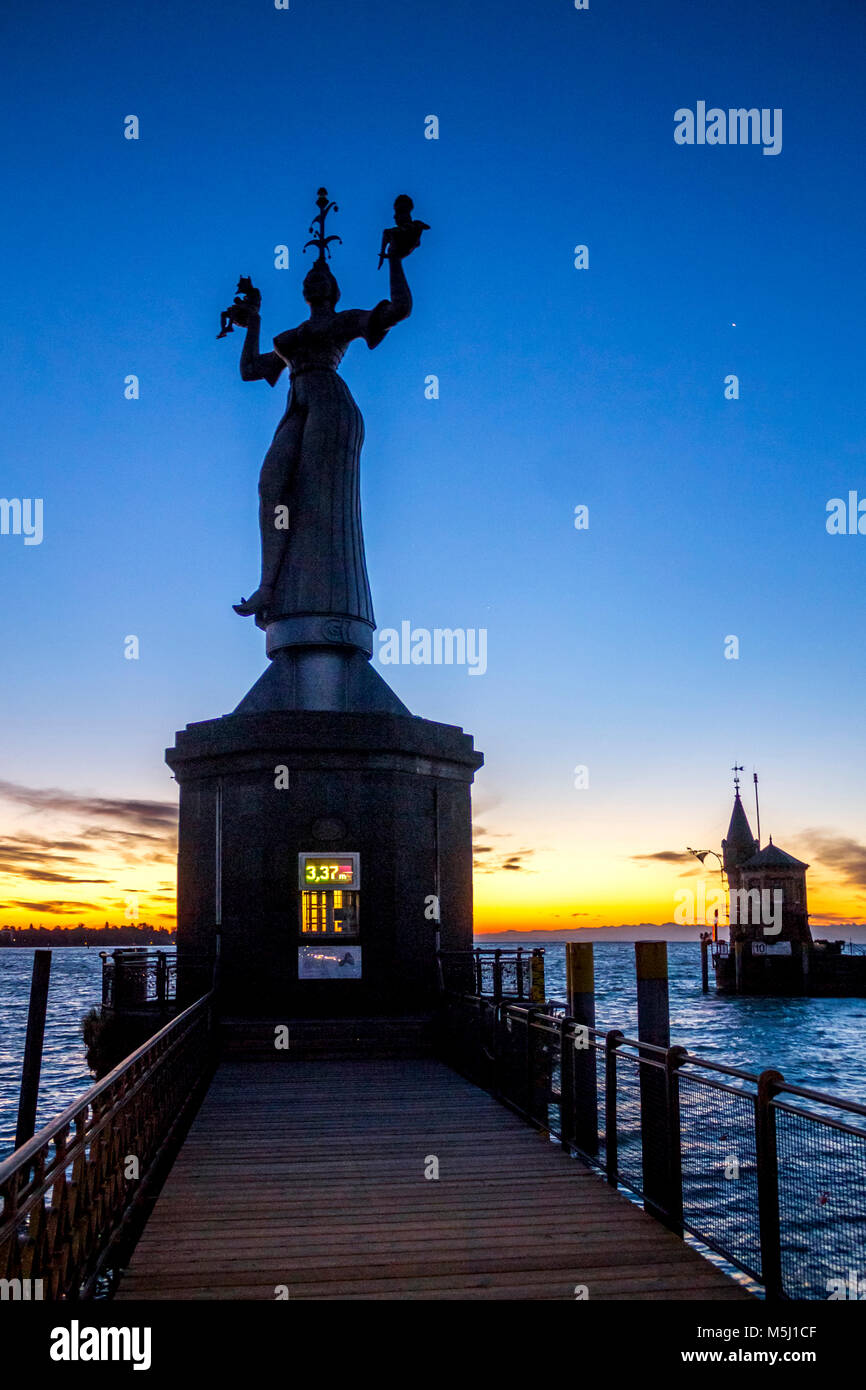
[76,985]
[816,1042]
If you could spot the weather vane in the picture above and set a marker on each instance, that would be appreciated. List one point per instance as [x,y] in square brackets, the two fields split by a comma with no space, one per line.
[737,769]
[318,237]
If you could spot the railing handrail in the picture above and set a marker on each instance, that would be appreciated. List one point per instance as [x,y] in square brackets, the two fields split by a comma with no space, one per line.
[691,1059]
[496,951]
[28,1151]
[138,951]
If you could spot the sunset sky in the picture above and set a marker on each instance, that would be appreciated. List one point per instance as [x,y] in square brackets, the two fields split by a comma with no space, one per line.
[558,387]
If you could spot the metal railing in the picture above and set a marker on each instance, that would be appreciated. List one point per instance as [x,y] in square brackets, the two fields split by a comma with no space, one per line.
[769,1175]
[494,972]
[136,978]
[69,1196]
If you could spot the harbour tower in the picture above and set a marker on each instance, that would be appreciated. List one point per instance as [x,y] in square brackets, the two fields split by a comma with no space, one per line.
[767,887]
[770,949]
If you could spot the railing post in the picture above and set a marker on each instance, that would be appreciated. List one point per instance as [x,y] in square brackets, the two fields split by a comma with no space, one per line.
[479,983]
[653,1026]
[495,1086]
[529,1071]
[536,990]
[580,994]
[161,978]
[612,1040]
[520,991]
[769,1083]
[674,1059]
[497,975]
[566,1085]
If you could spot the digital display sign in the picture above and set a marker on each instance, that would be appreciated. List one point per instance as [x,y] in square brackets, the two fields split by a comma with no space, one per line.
[328,871]
[323,871]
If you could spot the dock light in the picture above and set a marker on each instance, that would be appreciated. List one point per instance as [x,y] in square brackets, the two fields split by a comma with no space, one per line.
[702,855]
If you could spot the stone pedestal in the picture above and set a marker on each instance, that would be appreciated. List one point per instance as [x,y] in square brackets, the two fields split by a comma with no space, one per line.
[389,787]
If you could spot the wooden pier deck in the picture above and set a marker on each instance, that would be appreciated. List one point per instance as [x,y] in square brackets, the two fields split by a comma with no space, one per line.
[310,1175]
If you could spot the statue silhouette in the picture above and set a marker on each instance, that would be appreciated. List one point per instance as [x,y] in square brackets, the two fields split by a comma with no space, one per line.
[312,544]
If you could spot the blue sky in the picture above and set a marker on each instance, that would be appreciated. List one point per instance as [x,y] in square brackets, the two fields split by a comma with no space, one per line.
[557,387]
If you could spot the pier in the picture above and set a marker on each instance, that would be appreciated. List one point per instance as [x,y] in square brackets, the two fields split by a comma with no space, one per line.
[501,1148]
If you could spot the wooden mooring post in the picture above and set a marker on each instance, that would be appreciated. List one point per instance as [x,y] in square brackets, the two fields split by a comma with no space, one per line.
[653,1026]
[705,962]
[579,1075]
[32,1065]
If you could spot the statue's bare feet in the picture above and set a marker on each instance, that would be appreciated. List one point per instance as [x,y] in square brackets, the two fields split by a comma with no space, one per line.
[255,603]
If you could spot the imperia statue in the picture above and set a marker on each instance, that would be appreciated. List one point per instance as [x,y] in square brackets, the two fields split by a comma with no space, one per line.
[313,570]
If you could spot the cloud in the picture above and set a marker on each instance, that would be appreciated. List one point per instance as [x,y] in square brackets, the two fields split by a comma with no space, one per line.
[513,862]
[845,856]
[46,876]
[667,856]
[145,814]
[816,918]
[113,839]
[122,837]
[34,846]
[58,908]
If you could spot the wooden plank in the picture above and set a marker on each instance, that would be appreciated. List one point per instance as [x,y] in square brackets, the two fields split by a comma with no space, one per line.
[310,1174]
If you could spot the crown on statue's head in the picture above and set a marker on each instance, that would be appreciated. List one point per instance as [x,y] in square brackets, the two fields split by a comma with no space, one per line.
[317,228]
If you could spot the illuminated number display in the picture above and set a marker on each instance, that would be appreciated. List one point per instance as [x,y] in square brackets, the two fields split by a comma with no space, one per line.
[328,871]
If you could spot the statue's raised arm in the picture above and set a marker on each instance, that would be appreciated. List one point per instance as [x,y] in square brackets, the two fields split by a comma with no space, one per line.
[373,324]
[398,242]
[244,312]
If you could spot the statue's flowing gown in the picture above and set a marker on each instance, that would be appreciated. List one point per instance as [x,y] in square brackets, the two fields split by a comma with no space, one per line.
[317,450]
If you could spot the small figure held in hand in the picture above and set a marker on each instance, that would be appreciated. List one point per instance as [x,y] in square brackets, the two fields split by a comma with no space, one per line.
[400,241]
[247,302]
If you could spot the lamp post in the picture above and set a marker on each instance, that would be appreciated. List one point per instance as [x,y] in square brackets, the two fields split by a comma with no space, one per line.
[702,855]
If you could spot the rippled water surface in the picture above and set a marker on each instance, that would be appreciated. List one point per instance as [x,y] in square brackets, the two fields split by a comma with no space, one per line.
[76,985]
[817,1042]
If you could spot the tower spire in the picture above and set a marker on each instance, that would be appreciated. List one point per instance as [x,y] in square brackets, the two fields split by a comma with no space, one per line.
[739,844]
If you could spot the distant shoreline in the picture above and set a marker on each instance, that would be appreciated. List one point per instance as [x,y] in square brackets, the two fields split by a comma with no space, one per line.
[670,932]
[55,937]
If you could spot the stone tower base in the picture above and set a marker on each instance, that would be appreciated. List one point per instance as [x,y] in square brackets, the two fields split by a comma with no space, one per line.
[391,788]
